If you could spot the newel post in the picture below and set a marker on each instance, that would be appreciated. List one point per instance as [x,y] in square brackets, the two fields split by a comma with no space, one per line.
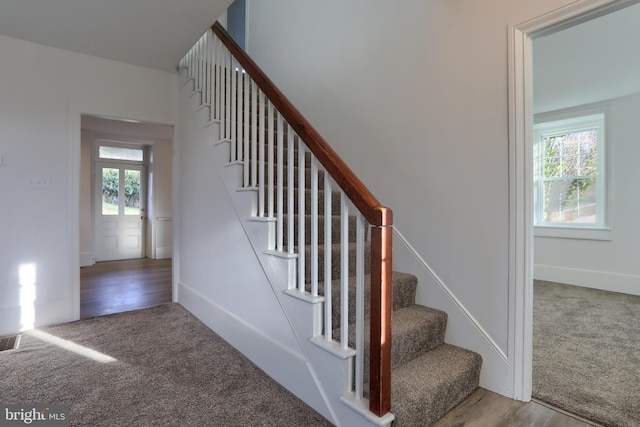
[381,307]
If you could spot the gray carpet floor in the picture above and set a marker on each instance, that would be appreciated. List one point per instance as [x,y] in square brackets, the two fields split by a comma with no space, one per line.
[586,352]
[163,368]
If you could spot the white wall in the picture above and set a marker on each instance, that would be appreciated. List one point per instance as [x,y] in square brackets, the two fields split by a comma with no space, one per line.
[161,213]
[605,264]
[413,95]
[43,91]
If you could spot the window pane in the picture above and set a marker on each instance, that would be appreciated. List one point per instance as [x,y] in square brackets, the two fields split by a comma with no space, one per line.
[110,190]
[131,192]
[552,157]
[553,167]
[570,201]
[119,153]
[569,170]
[572,154]
[588,164]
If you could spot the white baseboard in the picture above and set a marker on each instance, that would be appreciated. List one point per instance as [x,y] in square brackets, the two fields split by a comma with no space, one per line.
[164,252]
[86,259]
[604,280]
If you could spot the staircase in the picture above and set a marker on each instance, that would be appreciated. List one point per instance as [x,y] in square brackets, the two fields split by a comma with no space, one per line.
[329,282]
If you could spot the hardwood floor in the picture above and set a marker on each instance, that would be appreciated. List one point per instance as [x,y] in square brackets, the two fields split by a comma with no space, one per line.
[116,286]
[486,409]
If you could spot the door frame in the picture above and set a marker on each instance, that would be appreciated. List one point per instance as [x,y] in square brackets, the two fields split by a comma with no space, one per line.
[74,141]
[520,109]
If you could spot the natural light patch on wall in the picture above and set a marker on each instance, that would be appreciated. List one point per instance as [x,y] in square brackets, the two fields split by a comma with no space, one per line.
[71,346]
[27,285]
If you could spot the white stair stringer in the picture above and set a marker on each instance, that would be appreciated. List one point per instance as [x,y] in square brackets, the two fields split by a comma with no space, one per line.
[328,365]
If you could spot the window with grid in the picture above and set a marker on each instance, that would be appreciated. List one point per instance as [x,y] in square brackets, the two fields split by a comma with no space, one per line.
[569,171]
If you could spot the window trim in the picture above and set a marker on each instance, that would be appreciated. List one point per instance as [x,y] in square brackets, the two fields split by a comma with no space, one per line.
[571,120]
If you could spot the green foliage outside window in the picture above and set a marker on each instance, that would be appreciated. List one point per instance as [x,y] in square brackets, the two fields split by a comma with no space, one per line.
[111,186]
[569,171]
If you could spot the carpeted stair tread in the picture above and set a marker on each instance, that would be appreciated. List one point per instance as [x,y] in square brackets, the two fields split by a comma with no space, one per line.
[416,329]
[429,386]
[403,295]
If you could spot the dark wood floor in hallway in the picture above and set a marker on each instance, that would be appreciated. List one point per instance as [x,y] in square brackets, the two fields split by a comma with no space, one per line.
[116,286]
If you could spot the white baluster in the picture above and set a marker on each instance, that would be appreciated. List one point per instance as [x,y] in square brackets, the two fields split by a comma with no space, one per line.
[270,165]
[196,71]
[290,188]
[199,65]
[344,271]
[227,104]
[261,156]
[254,134]
[328,306]
[223,93]
[247,87]
[314,225]
[241,108]
[218,115]
[192,63]
[200,68]
[205,66]
[280,185]
[234,111]
[301,216]
[210,54]
[360,230]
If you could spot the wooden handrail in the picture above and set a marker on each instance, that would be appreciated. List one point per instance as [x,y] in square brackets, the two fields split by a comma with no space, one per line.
[379,217]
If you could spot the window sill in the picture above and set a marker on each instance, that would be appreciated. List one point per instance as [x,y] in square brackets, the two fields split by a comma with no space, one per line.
[559,232]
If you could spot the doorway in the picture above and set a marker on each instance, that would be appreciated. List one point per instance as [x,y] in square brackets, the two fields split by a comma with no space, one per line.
[577,243]
[125,215]
[521,169]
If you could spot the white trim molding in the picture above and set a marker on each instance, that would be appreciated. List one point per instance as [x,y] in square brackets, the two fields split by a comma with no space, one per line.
[603,280]
[73,218]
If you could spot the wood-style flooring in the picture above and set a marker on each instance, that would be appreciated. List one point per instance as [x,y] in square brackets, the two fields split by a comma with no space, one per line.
[486,409]
[116,286]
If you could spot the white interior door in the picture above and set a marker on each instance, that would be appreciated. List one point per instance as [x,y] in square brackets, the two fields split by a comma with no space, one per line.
[120,211]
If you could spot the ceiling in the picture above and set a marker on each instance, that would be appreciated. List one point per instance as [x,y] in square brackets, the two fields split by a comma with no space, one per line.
[149,33]
[594,61]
